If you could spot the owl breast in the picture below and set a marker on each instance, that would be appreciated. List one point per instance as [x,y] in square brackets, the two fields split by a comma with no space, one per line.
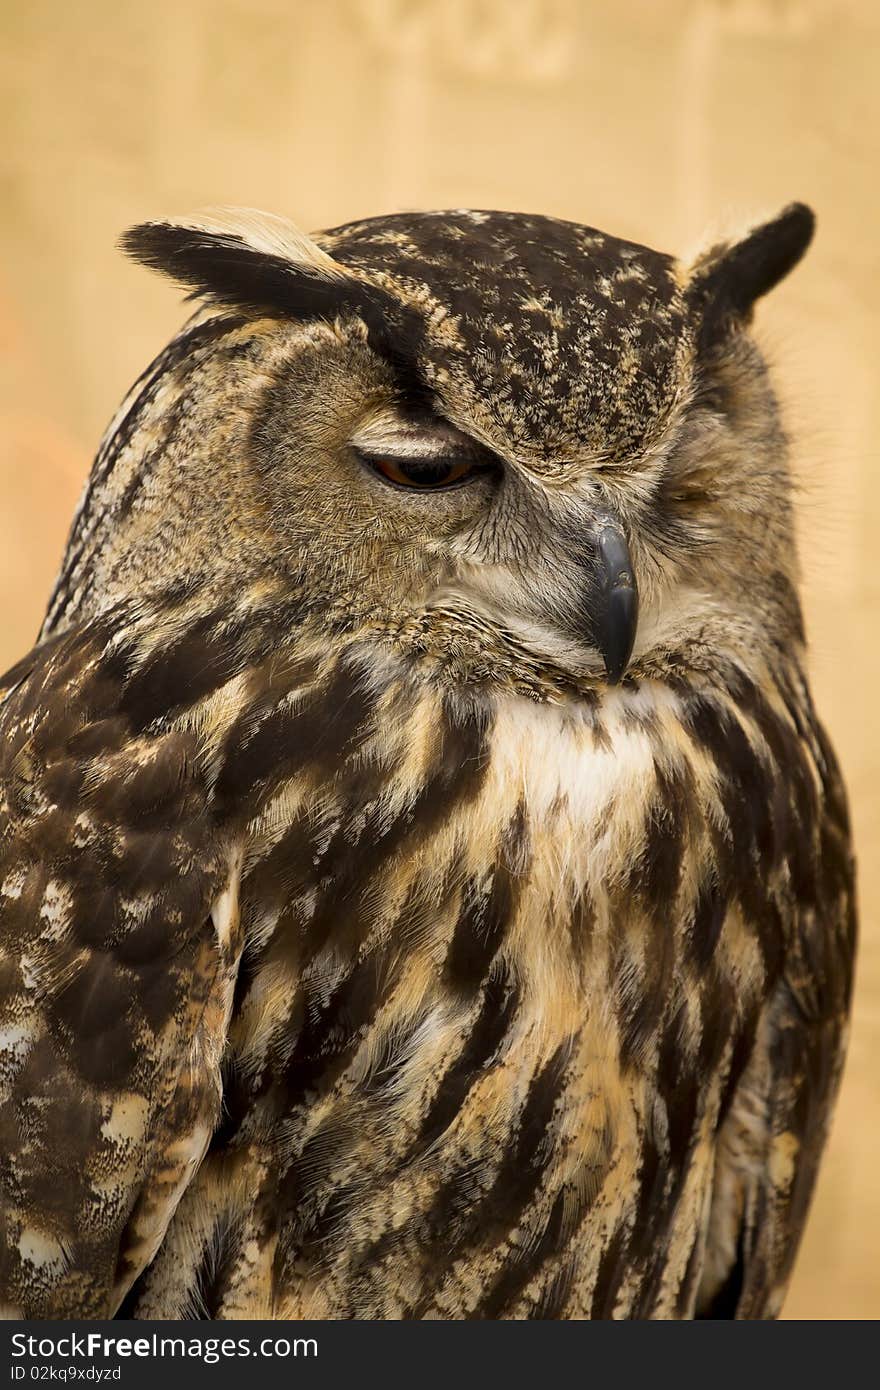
[467,1002]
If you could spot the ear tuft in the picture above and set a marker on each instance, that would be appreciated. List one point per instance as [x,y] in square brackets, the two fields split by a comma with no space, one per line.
[245,259]
[728,279]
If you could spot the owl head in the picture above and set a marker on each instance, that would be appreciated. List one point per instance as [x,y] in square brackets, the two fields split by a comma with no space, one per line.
[508,438]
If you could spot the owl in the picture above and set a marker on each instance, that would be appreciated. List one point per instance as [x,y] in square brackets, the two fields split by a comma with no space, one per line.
[425,888]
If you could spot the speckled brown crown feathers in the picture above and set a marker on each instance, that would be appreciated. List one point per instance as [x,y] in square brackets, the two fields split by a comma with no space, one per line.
[550,339]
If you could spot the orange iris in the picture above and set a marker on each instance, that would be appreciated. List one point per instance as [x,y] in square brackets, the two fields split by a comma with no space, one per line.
[423,473]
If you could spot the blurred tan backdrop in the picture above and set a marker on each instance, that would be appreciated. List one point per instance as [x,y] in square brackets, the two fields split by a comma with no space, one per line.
[660,120]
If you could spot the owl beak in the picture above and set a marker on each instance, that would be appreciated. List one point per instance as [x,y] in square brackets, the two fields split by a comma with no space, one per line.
[615,606]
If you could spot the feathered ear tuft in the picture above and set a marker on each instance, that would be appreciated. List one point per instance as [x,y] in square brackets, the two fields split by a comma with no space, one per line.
[264,265]
[727,280]
[249,260]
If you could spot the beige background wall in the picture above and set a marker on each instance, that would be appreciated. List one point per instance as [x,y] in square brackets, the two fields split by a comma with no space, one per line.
[660,120]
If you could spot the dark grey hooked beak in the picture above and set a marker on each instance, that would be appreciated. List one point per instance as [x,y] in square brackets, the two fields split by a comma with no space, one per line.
[614,614]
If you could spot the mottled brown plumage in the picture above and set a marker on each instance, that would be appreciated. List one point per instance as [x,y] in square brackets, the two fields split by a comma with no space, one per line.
[367,950]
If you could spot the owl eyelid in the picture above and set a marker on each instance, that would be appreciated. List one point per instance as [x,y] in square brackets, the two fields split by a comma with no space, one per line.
[392,437]
[419,446]
[422,456]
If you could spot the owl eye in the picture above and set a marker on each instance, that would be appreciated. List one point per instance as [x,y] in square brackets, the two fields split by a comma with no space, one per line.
[425,474]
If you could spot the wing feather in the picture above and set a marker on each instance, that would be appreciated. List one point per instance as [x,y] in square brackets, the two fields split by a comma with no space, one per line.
[772,1139]
[118,952]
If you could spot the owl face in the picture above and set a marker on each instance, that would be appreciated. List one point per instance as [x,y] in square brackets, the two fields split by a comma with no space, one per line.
[428,520]
[561,443]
